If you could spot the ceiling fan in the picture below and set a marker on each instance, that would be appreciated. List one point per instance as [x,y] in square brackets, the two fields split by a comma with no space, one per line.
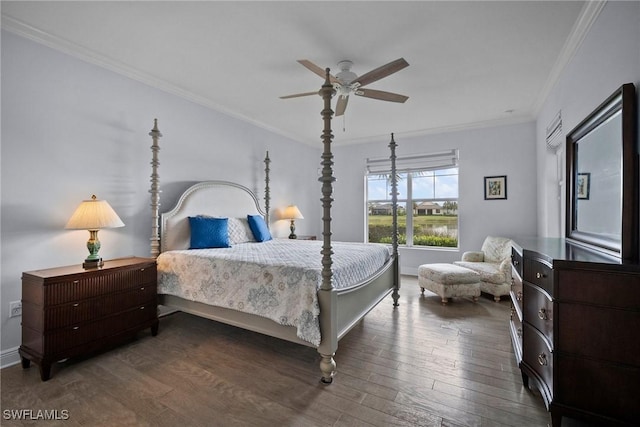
[346,82]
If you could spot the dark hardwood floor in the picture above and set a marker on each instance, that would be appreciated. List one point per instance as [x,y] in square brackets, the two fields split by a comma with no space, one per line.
[422,364]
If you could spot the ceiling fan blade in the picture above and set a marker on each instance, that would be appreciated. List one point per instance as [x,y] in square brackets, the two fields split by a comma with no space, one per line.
[382,95]
[381,72]
[341,105]
[297,95]
[319,71]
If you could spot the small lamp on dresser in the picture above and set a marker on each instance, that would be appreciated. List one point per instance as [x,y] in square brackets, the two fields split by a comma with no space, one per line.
[292,213]
[94,215]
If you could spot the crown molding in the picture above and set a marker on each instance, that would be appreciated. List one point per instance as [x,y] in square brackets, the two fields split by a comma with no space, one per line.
[590,12]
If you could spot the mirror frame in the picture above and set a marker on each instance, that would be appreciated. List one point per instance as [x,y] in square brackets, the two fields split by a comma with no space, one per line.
[624,100]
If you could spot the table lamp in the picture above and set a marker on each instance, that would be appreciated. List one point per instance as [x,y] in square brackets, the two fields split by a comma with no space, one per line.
[94,215]
[292,212]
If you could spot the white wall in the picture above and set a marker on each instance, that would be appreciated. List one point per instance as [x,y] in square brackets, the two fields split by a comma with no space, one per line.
[608,57]
[71,129]
[503,150]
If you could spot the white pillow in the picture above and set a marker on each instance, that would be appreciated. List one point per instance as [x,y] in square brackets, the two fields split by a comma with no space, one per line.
[239,231]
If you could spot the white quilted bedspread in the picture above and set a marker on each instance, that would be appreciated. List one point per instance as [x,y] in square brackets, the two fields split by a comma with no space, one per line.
[277,279]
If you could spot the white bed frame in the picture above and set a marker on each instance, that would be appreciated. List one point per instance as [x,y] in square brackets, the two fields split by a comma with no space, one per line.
[340,309]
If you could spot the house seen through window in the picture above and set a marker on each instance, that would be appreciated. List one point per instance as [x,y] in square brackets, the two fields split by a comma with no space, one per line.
[427,200]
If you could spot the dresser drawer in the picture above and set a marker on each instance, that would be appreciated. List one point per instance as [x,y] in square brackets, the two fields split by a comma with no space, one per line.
[59,341]
[72,289]
[538,356]
[605,288]
[609,389]
[517,296]
[538,311]
[539,273]
[90,309]
[596,332]
[515,329]
[516,261]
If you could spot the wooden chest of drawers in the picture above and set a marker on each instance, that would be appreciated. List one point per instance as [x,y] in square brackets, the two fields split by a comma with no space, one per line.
[516,295]
[574,327]
[70,311]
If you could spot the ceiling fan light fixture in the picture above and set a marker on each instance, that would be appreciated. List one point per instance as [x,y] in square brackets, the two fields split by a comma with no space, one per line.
[345,75]
[343,90]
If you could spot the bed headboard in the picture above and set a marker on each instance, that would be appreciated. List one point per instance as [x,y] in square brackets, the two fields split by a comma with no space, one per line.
[212,198]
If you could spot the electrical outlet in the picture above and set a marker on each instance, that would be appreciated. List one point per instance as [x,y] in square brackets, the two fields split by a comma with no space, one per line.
[15,308]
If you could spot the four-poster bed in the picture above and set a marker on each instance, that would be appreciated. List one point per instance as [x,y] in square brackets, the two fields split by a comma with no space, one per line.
[309,303]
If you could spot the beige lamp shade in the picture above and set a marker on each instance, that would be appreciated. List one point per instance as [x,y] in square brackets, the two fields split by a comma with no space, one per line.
[292,212]
[94,214]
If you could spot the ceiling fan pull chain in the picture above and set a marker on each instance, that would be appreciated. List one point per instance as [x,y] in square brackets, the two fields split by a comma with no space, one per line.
[344,123]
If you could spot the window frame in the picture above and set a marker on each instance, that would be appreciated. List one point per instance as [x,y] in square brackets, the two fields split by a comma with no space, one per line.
[409,173]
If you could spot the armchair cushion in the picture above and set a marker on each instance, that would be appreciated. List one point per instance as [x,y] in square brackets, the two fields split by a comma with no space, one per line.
[473,256]
[496,249]
[488,271]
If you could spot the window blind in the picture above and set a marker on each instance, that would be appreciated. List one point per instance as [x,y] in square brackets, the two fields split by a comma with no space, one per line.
[555,136]
[415,162]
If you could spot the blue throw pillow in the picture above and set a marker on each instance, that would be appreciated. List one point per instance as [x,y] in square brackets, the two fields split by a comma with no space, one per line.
[259,228]
[207,232]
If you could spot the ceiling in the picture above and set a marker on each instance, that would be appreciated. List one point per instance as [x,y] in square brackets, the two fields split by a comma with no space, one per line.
[472,64]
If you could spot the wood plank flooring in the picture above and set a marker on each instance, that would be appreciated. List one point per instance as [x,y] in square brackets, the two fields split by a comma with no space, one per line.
[422,364]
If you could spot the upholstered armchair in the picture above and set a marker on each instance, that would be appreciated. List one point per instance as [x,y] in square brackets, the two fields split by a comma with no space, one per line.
[493,263]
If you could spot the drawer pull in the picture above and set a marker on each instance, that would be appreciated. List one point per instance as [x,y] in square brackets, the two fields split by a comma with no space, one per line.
[519,296]
[540,275]
[142,269]
[142,288]
[542,359]
[75,282]
[542,314]
[142,308]
[75,328]
[76,304]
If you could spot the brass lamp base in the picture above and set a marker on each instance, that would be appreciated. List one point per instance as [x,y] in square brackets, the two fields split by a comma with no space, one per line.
[93,244]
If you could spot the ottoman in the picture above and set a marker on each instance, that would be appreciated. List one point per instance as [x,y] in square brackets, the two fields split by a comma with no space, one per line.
[449,280]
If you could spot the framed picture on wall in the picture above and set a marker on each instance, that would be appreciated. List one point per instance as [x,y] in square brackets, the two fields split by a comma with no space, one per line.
[583,184]
[495,187]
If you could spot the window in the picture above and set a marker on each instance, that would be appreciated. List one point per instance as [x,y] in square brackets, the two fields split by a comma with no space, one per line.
[427,200]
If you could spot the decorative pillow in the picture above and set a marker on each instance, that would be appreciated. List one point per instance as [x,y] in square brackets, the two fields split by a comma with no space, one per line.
[239,231]
[259,228]
[207,232]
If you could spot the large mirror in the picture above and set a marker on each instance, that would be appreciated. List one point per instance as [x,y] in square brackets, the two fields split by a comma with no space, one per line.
[602,177]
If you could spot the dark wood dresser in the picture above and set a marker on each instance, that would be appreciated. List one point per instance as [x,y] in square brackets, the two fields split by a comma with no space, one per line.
[70,311]
[575,329]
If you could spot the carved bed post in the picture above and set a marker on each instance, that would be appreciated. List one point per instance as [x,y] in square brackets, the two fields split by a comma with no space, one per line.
[267,196]
[394,224]
[326,296]
[155,191]
[327,179]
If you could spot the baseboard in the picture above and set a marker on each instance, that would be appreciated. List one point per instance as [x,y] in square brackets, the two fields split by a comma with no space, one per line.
[410,271]
[9,357]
